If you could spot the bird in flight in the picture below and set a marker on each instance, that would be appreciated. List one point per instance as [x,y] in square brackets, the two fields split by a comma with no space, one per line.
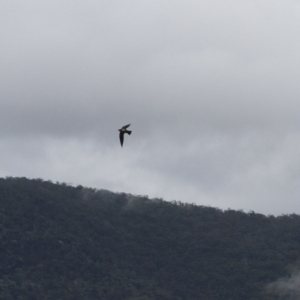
[123,130]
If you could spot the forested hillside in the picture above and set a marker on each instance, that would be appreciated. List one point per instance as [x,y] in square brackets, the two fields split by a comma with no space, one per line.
[65,242]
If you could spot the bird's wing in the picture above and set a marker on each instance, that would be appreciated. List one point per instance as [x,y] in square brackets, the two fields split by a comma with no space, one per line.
[121,135]
[126,126]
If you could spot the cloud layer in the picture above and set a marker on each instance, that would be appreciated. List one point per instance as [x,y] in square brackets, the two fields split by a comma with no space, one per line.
[211,89]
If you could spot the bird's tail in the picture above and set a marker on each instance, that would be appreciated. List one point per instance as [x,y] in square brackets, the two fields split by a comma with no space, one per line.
[129,132]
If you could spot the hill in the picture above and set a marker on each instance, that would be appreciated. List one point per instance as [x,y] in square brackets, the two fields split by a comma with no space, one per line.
[65,242]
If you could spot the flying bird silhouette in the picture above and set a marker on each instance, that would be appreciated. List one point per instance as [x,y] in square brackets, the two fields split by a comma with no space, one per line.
[123,130]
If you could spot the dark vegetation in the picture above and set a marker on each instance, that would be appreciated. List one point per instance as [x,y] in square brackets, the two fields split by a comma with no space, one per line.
[64,242]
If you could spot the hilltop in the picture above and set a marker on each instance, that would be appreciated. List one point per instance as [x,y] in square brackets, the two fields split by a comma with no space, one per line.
[65,242]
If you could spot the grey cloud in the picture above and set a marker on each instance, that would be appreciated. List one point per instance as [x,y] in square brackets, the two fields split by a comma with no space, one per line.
[286,288]
[211,89]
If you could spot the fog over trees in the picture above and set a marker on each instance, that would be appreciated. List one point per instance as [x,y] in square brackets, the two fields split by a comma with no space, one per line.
[59,241]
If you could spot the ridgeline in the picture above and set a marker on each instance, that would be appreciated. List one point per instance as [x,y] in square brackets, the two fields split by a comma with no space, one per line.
[65,242]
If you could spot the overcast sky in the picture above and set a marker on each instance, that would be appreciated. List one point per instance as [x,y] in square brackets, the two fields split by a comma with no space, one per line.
[211,89]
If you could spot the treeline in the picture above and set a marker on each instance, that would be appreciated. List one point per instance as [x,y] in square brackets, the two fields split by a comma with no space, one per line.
[65,242]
